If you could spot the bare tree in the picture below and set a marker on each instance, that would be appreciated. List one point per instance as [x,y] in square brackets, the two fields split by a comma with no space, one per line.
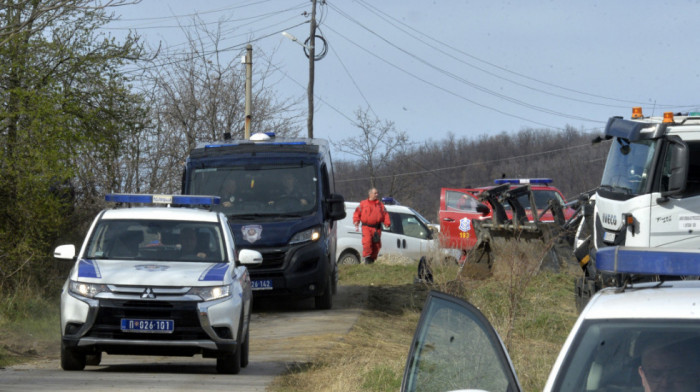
[198,96]
[377,145]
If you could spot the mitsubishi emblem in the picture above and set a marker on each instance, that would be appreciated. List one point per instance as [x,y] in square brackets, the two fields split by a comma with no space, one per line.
[148,293]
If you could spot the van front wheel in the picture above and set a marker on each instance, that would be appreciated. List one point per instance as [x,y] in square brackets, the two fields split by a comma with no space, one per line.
[325,300]
[349,258]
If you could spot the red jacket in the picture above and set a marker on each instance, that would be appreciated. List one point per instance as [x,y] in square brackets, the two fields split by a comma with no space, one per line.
[371,213]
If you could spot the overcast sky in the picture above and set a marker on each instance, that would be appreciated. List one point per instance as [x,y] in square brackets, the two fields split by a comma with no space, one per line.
[463,67]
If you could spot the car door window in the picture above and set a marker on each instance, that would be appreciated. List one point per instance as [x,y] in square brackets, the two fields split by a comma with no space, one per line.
[455,348]
[459,201]
[396,224]
[413,227]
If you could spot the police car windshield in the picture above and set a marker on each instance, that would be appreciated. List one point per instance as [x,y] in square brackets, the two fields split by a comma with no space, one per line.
[265,189]
[627,167]
[156,240]
[607,354]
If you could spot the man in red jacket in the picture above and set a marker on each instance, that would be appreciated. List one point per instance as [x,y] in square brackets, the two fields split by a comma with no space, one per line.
[371,213]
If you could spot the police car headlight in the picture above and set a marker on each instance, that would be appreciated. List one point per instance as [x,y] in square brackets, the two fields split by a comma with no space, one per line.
[89,290]
[312,234]
[211,293]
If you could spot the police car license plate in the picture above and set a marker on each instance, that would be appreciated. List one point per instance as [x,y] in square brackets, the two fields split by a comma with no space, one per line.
[261,284]
[609,237]
[150,326]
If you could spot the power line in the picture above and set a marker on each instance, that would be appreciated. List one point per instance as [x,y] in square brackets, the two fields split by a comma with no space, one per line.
[368,6]
[460,79]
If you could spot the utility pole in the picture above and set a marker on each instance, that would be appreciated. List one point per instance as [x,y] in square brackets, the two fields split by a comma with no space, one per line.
[248,87]
[312,59]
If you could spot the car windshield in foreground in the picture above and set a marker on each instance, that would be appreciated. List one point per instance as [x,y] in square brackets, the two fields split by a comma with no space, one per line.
[615,355]
[156,240]
[455,348]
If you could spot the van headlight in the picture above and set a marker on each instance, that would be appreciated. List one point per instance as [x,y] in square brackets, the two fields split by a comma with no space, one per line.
[312,234]
[212,292]
[89,290]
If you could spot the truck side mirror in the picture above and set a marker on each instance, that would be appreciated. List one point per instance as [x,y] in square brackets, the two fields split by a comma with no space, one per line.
[335,207]
[678,176]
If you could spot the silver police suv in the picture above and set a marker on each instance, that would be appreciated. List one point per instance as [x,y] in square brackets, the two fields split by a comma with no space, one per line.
[157,280]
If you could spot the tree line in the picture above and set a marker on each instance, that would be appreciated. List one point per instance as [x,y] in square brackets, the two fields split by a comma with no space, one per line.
[414,175]
[83,114]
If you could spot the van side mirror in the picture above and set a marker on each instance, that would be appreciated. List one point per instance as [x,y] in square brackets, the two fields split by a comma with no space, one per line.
[335,207]
[678,176]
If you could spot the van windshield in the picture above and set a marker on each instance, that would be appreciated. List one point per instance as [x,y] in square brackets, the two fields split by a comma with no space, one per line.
[259,189]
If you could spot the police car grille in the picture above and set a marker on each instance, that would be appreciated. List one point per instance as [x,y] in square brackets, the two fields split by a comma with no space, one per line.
[184,315]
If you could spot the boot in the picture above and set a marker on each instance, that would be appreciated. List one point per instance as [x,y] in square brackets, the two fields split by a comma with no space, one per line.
[369,260]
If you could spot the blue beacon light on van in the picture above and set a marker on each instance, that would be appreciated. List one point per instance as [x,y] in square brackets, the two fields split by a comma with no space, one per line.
[538,181]
[162,199]
[648,261]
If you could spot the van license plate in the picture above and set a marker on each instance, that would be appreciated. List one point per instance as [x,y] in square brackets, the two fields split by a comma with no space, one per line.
[261,284]
[149,326]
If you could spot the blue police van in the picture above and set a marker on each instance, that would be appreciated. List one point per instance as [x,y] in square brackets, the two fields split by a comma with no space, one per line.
[279,197]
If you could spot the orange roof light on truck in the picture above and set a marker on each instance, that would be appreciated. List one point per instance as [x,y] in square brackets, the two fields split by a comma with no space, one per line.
[637,112]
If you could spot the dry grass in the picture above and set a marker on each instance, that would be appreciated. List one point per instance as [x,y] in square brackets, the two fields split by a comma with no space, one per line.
[532,311]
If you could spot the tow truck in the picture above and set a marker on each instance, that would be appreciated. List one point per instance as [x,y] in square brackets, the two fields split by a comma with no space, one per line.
[649,195]
[456,348]
[474,218]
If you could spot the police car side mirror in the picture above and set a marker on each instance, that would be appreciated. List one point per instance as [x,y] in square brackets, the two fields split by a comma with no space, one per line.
[250,257]
[64,252]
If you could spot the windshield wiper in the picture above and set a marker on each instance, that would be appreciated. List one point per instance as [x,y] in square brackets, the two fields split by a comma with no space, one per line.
[617,188]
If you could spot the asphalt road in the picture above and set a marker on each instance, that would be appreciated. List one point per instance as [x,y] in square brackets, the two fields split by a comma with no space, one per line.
[282,334]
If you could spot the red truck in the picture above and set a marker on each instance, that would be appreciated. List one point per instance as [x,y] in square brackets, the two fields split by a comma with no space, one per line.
[461,207]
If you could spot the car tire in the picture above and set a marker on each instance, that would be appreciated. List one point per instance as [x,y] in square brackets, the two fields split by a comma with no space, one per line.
[229,363]
[93,359]
[71,359]
[349,257]
[325,300]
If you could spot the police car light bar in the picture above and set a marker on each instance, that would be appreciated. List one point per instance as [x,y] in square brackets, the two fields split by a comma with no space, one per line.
[390,201]
[538,181]
[648,261]
[162,199]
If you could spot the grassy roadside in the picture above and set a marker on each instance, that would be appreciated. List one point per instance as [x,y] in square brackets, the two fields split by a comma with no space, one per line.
[28,329]
[533,313]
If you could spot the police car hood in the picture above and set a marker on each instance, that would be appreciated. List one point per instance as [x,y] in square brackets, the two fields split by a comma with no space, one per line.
[154,273]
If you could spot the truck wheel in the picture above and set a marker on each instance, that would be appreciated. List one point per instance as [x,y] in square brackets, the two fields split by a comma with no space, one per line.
[585,288]
[72,360]
[348,258]
[229,363]
[325,300]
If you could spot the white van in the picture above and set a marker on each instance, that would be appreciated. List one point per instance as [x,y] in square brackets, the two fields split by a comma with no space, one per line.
[410,235]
